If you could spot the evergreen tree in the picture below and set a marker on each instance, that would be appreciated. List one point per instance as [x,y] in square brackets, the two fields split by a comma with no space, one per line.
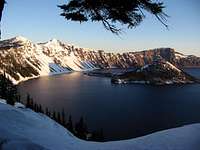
[8,90]
[2,3]
[40,109]
[63,118]
[35,107]
[18,97]
[69,124]
[31,103]
[47,111]
[54,115]
[49,114]
[3,87]
[28,101]
[112,13]
[58,117]
[81,129]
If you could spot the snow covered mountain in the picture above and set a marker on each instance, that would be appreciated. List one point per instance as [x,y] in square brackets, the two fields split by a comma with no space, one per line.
[23,129]
[21,59]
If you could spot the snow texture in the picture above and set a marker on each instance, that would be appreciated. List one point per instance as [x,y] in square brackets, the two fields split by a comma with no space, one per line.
[23,129]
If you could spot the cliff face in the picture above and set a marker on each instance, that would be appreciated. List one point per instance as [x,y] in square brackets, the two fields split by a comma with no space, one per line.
[21,59]
[133,59]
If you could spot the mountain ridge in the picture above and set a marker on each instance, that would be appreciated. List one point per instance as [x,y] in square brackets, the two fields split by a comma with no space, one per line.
[22,59]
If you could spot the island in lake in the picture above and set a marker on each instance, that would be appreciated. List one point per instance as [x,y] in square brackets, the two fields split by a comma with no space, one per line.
[160,72]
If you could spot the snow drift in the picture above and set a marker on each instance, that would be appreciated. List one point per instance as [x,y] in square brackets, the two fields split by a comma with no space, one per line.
[23,129]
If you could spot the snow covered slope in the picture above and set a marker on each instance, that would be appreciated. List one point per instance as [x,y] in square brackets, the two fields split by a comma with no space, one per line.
[23,129]
[21,59]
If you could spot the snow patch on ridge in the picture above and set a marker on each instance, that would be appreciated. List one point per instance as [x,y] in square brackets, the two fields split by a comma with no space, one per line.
[173,67]
[20,38]
[179,55]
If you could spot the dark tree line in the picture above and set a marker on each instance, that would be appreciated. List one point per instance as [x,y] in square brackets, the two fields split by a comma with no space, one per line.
[8,90]
[79,128]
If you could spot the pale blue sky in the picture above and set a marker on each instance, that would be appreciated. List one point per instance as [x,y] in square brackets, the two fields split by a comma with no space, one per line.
[39,21]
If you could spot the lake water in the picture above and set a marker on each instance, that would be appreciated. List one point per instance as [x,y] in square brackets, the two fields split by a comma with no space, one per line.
[122,111]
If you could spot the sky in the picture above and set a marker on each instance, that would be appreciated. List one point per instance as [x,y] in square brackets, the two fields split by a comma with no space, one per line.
[39,21]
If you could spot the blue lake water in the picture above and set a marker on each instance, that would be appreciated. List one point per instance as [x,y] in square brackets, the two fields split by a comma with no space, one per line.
[122,111]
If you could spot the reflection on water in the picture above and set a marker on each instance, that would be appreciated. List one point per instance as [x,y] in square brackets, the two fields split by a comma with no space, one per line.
[123,111]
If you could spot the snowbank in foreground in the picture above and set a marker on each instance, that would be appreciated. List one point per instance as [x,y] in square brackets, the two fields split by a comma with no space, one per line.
[24,129]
